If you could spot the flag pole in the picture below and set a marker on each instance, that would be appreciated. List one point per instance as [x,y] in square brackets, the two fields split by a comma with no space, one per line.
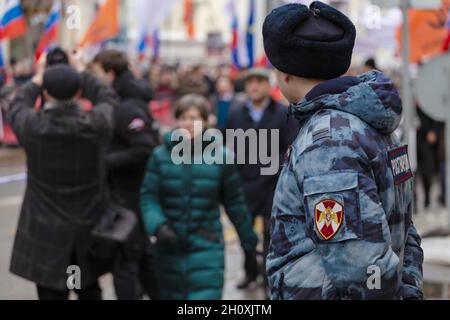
[408,102]
[406,79]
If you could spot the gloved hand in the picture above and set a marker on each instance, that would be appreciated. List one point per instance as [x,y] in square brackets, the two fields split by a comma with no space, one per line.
[251,269]
[166,237]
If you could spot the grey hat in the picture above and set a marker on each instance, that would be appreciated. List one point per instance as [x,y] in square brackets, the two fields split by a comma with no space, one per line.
[257,73]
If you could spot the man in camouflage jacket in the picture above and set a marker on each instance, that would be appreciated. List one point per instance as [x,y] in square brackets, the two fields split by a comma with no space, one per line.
[341,224]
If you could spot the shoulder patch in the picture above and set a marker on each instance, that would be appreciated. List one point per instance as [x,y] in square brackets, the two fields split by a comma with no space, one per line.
[137,124]
[315,130]
[328,216]
[322,128]
[400,165]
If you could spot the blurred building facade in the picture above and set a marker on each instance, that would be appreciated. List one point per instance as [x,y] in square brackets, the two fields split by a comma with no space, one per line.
[376,28]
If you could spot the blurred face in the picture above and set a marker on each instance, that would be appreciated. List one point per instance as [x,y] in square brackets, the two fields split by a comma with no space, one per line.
[258,89]
[107,77]
[195,75]
[188,119]
[165,78]
[223,71]
[224,86]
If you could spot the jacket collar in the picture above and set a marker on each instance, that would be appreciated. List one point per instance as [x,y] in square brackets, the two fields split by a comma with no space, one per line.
[333,86]
[60,106]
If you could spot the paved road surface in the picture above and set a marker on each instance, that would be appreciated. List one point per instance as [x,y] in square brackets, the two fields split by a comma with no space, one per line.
[12,185]
[12,174]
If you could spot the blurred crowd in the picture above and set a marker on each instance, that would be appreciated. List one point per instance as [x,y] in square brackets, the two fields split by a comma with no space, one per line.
[178,207]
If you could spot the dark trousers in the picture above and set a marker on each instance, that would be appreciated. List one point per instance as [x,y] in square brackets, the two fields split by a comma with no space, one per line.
[443,180]
[91,293]
[126,279]
[266,243]
[135,276]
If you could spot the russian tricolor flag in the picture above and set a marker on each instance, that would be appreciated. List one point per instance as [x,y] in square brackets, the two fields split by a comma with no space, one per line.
[251,34]
[235,39]
[446,44]
[242,44]
[2,61]
[156,41]
[146,41]
[13,23]
[51,29]
[143,44]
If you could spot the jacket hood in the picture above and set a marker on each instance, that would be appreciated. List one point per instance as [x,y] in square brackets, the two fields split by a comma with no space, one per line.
[371,97]
[128,87]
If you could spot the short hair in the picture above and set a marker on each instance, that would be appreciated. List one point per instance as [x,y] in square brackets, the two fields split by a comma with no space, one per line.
[190,101]
[371,63]
[112,60]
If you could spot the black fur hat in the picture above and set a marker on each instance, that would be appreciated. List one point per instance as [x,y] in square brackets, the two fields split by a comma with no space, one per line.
[315,42]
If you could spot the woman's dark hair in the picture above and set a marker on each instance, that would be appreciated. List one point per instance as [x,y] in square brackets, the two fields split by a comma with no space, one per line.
[112,60]
[190,101]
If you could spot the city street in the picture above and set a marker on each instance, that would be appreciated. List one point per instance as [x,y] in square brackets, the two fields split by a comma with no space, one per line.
[176,116]
[12,186]
[12,183]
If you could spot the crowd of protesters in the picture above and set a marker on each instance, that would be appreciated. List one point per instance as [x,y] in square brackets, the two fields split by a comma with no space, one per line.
[97,138]
[100,134]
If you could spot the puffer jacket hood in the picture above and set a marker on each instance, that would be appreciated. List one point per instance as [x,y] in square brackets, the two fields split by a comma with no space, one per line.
[371,97]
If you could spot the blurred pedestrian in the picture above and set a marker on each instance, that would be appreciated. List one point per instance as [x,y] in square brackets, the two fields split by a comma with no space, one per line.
[223,100]
[180,204]
[166,87]
[194,81]
[22,72]
[441,158]
[65,191]
[133,141]
[260,111]
[427,152]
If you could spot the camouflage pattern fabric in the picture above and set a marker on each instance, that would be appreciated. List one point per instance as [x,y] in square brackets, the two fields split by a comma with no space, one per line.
[343,204]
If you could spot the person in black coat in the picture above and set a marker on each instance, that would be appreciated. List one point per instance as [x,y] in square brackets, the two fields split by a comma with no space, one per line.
[261,111]
[133,141]
[65,193]
[441,162]
[427,152]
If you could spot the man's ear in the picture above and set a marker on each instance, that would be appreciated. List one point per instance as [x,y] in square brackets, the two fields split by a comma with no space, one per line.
[283,76]
[286,77]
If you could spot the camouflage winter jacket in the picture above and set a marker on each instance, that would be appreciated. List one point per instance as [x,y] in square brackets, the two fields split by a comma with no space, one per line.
[341,221]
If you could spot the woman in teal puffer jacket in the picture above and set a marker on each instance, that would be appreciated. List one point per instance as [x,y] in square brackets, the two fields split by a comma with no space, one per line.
[181,207]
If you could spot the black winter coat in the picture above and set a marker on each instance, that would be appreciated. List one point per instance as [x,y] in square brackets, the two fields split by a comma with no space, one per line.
[259,189]
[133,141]
[427,154]
[65,192]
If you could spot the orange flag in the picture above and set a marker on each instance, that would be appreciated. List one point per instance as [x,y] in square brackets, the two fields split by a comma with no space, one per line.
[189,18]
[105,25]
[427,32]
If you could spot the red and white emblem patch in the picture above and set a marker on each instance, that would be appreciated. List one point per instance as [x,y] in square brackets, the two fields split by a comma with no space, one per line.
[137,125]
[328,215]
